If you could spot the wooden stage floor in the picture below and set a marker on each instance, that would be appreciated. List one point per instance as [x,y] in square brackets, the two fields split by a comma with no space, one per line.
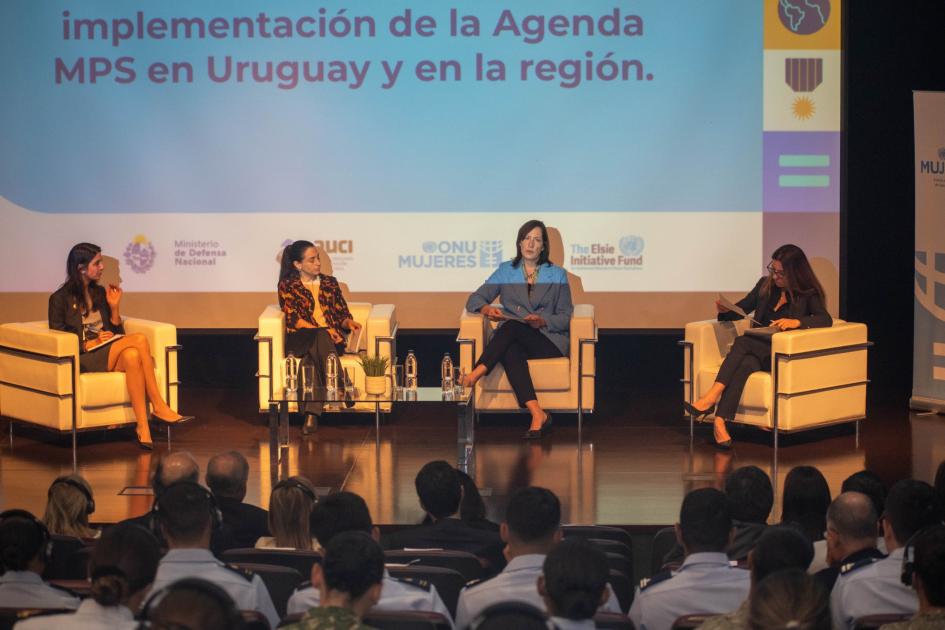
[633,466]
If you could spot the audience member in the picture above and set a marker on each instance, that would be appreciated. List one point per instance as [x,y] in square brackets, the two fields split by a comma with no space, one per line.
[532,527]
[780,547]
[174,468]
[350,579]
[872,586]
[706,582]
[343,512]
[24,550]
[928,580]
[805,501]
[851,536]
[290,512]
[69,502]
[749,491]
[440,492]
[472,509]
[227,475]
[789,599]
[573,584]
[121,570]
[511,616]
[186,514]
[192,603]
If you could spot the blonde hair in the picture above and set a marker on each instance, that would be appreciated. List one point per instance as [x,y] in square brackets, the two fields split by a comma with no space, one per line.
[67,507]
[789,599]
[290,510]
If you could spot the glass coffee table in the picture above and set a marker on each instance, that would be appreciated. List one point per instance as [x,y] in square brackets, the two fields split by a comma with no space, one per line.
[341,401]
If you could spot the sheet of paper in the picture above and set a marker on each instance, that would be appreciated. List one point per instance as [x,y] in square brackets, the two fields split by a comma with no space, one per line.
[736,309]
[354,341]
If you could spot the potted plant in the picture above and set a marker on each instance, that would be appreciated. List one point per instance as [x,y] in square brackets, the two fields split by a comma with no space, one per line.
[375,374]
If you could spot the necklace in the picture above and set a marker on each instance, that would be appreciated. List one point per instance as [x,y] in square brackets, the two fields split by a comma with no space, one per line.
[530,277]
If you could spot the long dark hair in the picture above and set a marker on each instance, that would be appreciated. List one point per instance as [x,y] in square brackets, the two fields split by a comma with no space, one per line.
[522,233]
[805,501]
[800,277]
[80,255]
[292,254]
[123,562]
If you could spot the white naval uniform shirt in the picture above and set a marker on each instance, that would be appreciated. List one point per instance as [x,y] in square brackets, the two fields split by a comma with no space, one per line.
[561,623]
[705,583]
[871,589]
[518,582]
[25,589]
[90,616]
[249,594]
[395,595]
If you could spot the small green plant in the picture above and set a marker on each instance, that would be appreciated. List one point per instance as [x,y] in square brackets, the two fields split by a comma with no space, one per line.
[374,366]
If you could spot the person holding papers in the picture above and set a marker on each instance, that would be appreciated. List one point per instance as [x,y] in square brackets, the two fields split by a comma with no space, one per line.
[316,314]
[91,312]
[789,297]
[534,316]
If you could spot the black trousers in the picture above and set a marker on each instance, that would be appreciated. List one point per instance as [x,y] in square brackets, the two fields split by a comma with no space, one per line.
[312,346]
[749,354]
[512,345]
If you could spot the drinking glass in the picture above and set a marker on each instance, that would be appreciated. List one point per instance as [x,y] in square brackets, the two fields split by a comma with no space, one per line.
[398,379]
[308,378]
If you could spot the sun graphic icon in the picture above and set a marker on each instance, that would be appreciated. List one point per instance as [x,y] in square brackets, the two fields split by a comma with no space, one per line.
[803,108]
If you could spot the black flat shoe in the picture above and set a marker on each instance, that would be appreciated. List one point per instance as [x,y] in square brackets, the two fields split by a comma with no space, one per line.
[311,424]
[722,446]
[534,434]
[696,413]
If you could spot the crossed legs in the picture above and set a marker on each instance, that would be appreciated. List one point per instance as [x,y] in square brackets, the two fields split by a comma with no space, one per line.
[132,355]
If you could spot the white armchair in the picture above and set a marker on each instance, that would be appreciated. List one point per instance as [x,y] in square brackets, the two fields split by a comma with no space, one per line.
[562,384]
[40,382]
[817,378]
[380,332]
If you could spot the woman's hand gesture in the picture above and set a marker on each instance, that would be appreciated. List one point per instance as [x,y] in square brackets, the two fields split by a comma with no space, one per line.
[113,295]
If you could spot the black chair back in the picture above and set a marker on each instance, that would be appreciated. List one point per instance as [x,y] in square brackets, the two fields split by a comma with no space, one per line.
[406,620]
[301,561]
[64,563]
[623,589]
[254,620]
[448,582]
[10,616]
[612,621]
[872,622]
[280,581]
[663,543]
[603,532]
[466,564]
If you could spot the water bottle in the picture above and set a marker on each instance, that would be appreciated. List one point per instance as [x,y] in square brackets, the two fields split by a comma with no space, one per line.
[291,371]
[331,373]
[446,373]
[411,369]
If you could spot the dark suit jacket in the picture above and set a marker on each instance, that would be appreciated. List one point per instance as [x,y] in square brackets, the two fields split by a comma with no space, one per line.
[247,522]
[454,535]
[65,314]
[828,577]
[221,538]
[809,309]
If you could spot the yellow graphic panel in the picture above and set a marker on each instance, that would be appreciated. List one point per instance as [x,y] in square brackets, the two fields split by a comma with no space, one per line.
[802,24]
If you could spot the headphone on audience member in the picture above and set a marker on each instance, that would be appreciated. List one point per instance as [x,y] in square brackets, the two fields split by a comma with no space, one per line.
[47,544]
[295,483]
[216,516]
[908,559]
[234,618]
[89,501]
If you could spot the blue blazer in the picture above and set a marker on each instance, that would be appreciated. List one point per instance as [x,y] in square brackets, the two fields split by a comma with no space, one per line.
[550,298]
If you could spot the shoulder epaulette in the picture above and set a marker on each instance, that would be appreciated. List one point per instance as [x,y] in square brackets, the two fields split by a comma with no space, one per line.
[246,573]
[477,582]
[662,576]
[415,581]
[853,566]
[303,585]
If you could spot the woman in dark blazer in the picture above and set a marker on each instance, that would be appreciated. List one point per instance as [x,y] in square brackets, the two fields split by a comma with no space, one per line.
[534,321]
[789,297]
[91,312]
[316,314]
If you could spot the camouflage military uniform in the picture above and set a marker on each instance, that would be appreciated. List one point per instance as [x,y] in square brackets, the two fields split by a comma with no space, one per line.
[328,618]
[931,620]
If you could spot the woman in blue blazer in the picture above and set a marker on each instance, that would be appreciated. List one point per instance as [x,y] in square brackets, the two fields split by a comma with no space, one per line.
[534,316]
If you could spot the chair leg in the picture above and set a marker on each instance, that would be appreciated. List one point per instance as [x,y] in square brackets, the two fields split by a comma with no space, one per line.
[168,437]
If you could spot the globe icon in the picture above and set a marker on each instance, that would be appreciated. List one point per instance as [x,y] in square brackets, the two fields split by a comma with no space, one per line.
[429,247]
[631,245]
[804,17]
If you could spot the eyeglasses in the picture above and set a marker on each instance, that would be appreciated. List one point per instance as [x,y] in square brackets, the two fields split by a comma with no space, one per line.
[775,272]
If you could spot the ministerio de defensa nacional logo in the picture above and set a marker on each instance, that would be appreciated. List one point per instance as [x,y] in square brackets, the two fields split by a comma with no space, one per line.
[140,254]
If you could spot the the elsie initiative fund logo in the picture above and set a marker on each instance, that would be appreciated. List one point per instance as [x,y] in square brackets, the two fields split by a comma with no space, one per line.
[139,254]
[453,254]
[626,254]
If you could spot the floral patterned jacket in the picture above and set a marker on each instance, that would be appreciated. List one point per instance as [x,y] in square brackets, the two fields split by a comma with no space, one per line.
[298,303]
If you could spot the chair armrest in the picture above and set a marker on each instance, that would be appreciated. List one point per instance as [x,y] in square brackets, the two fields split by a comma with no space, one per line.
[814,339]
[381,322]
[270,338]
[583,326]
[160,336]
[37,337]
[472,328]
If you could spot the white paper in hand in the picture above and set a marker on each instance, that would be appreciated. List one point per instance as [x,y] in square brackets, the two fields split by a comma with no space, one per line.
[736,309]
